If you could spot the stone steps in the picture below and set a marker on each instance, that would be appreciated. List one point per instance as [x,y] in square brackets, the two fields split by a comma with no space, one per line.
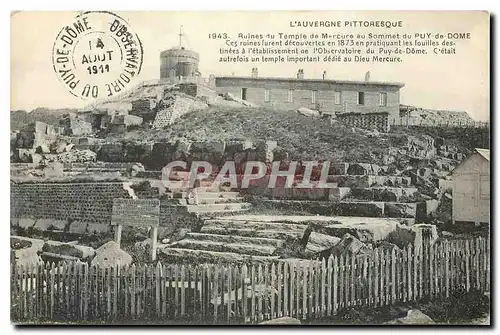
[381,193]
[351,208]
[224,207]
[255,225]
[271,242]
[238,248]
[204,256]
[211,201]
[274,234]
[366,181]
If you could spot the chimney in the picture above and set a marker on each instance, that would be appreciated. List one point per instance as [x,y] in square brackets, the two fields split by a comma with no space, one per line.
[300,74]
[255,72]
[367,76]
[324,75]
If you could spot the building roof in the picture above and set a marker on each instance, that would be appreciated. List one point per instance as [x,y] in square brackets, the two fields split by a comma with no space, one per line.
[484,152]
[333,81]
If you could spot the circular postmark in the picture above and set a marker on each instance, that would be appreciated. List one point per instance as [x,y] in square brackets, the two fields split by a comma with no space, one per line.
[97,55]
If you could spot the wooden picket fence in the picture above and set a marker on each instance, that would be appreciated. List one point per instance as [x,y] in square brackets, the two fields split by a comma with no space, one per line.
[183,293]
[405,122]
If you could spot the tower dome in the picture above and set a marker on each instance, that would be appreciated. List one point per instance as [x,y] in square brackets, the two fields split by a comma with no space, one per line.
[178,61]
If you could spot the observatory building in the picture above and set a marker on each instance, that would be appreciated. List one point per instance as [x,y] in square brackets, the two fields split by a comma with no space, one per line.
[179,62]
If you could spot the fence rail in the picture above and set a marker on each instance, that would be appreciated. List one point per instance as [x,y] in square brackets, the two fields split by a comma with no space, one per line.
[75,291]
[403,121]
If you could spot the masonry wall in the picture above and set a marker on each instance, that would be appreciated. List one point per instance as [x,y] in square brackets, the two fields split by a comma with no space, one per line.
[376,121]
[302,94]
[90,202]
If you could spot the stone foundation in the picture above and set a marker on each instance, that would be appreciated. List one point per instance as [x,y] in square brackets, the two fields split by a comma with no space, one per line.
[371,121]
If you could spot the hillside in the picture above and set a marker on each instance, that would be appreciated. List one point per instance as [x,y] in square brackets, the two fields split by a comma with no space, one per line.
[302,137]
[20,118]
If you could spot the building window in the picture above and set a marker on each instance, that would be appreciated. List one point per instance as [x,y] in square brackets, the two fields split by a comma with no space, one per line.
[267,95]
[383,99]
[290,95]
[338,97]
[361,98]
[313,97]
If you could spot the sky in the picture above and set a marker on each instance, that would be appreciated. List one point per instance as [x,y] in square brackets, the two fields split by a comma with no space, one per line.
[456,82]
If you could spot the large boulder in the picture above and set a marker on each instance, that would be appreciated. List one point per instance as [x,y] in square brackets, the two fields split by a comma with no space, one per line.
[414,317]
[282,321]
[25,250]
[319,242]
[68,249]
[110,254]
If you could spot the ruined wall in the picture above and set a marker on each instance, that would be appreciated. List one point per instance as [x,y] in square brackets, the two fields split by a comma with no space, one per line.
[179,107]
[373,121]
[90,202]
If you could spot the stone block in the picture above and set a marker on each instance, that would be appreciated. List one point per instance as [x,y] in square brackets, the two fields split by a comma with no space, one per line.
[36,159]
[387,194]
[338,168]
[51,224]
[400,210]
[25,155]
[78,227]
[338,193]
[98,228]
[362,194]
[55,169]
[26,223]
[431,206]
[366,209]
[358,169]
[14,222]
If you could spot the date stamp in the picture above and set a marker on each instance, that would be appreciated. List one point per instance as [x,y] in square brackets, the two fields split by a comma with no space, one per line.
[97,55]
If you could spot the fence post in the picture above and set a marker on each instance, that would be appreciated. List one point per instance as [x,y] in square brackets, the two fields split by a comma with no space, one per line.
[330,285]
[305,285]
[447,267]
[393,275]
[467,265]
[323,287]
[183,290]
[260,298]
[244,298]
[252,281]
[281,288]
[274,286]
